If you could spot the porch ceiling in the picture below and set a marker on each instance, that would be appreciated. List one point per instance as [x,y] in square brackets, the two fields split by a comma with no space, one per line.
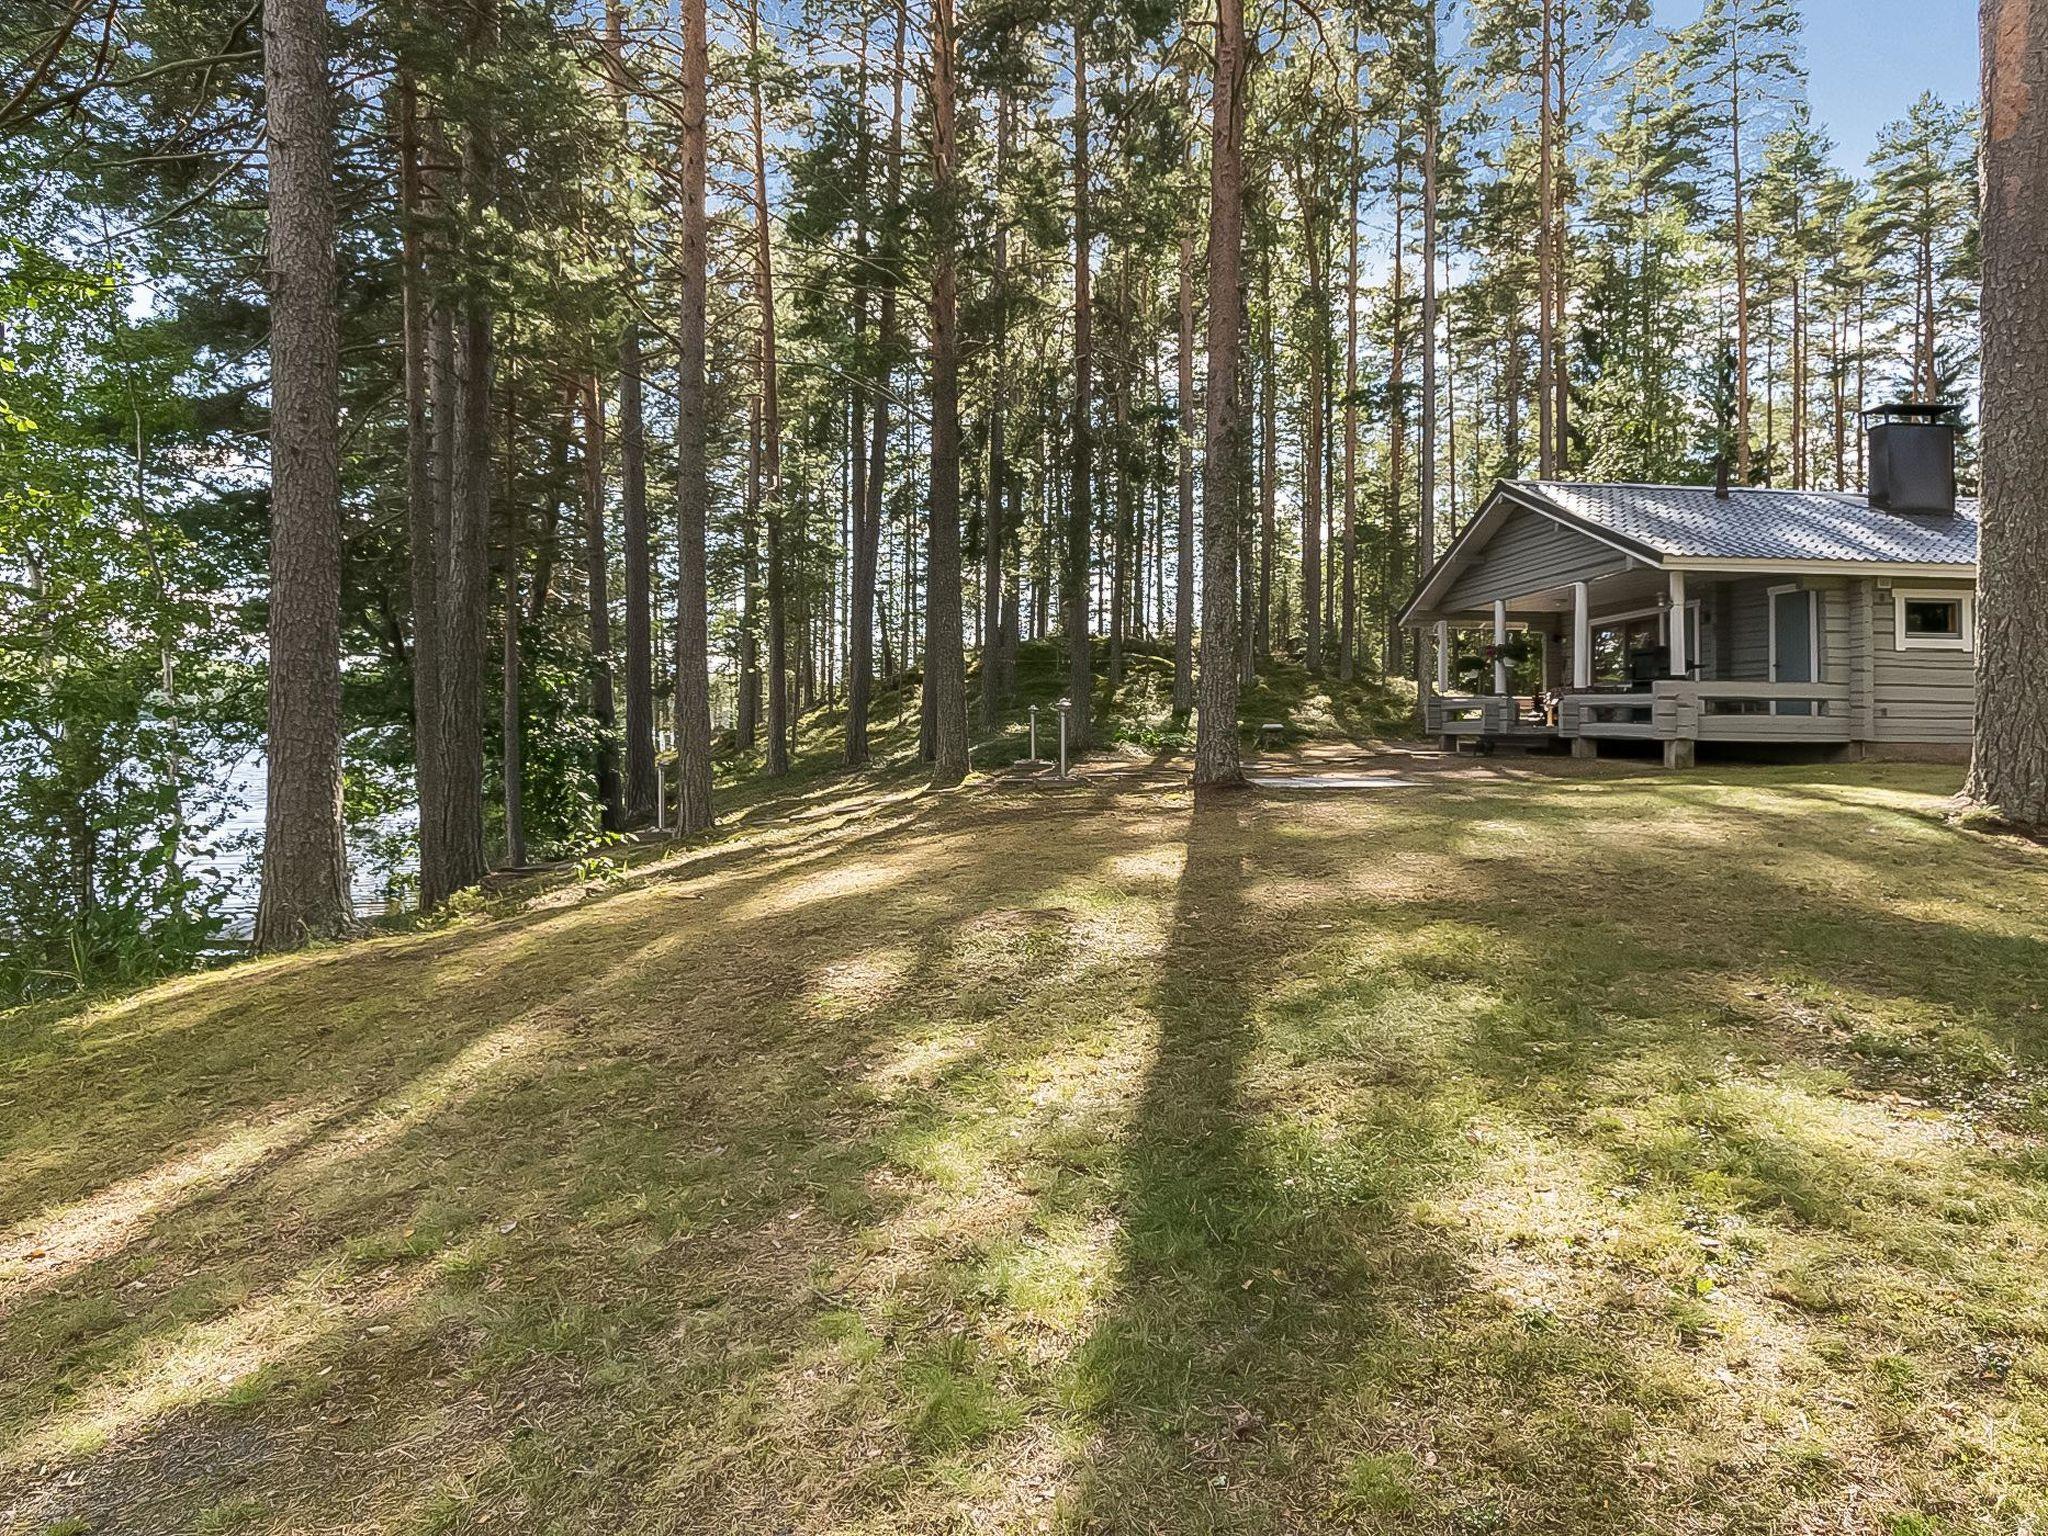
[1620,592]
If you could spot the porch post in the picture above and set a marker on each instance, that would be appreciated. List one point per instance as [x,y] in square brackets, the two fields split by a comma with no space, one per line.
[1679,660]
[1443,655]
[1500,638]
[1582,636]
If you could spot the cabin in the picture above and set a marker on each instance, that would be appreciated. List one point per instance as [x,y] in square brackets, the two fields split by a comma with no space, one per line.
[1692,615]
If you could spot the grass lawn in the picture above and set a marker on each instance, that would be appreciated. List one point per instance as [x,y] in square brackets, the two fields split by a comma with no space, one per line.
[1541,1149]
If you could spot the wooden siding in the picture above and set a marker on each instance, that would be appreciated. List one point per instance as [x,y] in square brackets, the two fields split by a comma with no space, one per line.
[1862,661]
[1744,641]
[1920,696]
[1747,639]
[1529,553]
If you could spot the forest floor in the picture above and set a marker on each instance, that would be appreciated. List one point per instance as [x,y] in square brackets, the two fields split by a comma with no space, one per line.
[1548,1147]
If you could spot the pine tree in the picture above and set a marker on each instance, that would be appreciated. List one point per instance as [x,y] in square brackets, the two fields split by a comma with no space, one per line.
[305,866]
[2009,764]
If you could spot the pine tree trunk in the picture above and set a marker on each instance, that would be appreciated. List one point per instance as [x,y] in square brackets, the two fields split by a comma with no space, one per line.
[597,590]
[1120,528]
[1425,511]
[945,660]
[868,541]
[995,531]
[1347,636]
[747,641]
[1546,276]
[1217,762]
[509,741]
[305,892]
[463,554]
[1080,520]
[2009,768]
[1560,270]
[771,432]
[1397,424]
[1269,457]
[541,588]
[1312,453]
[1184,578]
[641,778]
[421,495]
[1742,455]
[693,650]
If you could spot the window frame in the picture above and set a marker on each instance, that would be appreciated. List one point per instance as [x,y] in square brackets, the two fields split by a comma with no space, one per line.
[1965,639]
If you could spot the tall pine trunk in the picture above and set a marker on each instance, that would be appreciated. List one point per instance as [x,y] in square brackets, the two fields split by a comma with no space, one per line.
[305,864]
[1347,637]
[463,554]
[1397,425]
[868,538]
[995,530]
[945,661]
[1425,511]
[771,430]
[1184,545]
[1546,274]
[1269,456]
[1742,455]
[641,776]
[510,745]
[597,589]
[422,498]
[1312,455]
[747,641]
[693,650]
[1217,762]
[2009,768]
[1080,521]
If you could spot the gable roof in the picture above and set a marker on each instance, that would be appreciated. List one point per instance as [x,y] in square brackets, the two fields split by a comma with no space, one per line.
[1686,522]
[1689,527]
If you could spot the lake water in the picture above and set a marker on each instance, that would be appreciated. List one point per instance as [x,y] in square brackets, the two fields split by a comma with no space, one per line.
[240,842]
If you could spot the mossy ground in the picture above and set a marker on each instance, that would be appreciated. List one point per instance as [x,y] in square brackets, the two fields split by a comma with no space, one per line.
[1546,1148]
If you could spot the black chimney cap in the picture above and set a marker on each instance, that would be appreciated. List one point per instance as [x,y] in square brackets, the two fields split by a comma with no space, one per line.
[1910,410]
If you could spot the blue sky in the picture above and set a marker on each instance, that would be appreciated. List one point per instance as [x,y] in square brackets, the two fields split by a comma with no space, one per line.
[1868,60]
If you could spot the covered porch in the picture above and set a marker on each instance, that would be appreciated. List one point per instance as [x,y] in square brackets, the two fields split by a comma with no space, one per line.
[1640,653]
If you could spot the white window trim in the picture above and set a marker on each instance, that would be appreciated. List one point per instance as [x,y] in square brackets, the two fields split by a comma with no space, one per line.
[1812,623]
[1964,641]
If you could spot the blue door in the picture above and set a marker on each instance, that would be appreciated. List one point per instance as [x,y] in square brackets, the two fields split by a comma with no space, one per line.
[1792,658]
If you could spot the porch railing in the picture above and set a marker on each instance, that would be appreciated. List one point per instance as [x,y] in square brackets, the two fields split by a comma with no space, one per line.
[1672,709]
[1469,714]
[1750,711]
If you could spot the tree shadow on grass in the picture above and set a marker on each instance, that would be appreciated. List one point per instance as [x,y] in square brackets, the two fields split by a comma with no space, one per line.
[640,1124]
[1239,1302]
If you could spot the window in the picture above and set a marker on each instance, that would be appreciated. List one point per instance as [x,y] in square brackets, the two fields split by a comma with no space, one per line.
[1933,621]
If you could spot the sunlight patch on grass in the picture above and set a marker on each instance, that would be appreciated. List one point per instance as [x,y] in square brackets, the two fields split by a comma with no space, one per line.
[918,1063]
[845,988]
[486,1062]
[38,1252]
[850,878]
[206,1362]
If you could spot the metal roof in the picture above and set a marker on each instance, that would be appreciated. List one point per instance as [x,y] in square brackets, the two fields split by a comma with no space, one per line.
[1691,522]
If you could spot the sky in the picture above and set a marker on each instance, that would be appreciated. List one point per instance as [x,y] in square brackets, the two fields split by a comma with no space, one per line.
[1869,60]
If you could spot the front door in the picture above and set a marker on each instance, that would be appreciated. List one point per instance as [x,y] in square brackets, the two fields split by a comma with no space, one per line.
[1792,636]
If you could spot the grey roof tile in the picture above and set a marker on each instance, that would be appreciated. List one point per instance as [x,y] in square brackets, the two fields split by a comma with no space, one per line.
[1686,520]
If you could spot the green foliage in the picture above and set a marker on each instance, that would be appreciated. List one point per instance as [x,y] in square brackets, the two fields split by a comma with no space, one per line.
[105,667]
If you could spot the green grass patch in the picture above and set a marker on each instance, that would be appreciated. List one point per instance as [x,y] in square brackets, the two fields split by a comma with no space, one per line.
[1547,1149]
